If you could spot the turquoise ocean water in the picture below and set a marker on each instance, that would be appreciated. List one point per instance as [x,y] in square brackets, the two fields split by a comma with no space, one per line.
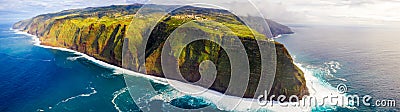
[40,79]
[366,59]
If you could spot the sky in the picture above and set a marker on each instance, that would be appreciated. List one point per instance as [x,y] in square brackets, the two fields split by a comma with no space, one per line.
[329,12]
[369,12]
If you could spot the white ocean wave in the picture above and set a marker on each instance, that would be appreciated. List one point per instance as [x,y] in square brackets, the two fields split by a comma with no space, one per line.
[331,68]
[228,103]
[117,70]
[279,36]
[36,40]
[116,94]
[168,95]
[78,96]
[234,103]
[74,58]
[317,87]
[327,70]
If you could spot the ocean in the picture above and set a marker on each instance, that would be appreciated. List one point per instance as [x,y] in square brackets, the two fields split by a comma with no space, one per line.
[37,78]
[42,78]
[365,59]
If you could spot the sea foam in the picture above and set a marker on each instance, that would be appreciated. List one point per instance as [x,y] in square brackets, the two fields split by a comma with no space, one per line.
[74,58]
[228,103]
[80,95]
[115,96]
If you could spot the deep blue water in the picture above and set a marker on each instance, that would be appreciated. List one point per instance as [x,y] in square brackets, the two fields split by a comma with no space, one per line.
[367,58]
[39,79]
[35,78]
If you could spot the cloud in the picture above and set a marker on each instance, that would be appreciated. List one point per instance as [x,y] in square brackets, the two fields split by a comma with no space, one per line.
[28,8]
[340,11]
[286,11]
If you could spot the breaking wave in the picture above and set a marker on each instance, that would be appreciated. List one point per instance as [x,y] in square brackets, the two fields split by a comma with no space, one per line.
[74,58]
[314,83]
[80,95]
[116,94]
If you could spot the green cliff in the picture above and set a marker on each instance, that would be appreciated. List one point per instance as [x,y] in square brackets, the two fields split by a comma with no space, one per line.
[101,32]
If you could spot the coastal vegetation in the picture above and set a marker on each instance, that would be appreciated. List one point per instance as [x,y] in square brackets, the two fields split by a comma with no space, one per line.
[101,32]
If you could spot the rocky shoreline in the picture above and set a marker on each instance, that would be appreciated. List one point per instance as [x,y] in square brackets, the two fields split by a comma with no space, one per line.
[99,33]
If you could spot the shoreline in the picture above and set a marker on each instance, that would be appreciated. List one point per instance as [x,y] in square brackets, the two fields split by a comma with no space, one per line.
[210,95]
[279,36]
[117,70]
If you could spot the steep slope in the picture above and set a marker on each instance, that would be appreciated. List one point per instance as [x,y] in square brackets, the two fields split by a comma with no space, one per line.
[101,32]
[277,29]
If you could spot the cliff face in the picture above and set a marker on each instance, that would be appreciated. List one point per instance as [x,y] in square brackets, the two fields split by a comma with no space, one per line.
[100,32]
[277,29]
